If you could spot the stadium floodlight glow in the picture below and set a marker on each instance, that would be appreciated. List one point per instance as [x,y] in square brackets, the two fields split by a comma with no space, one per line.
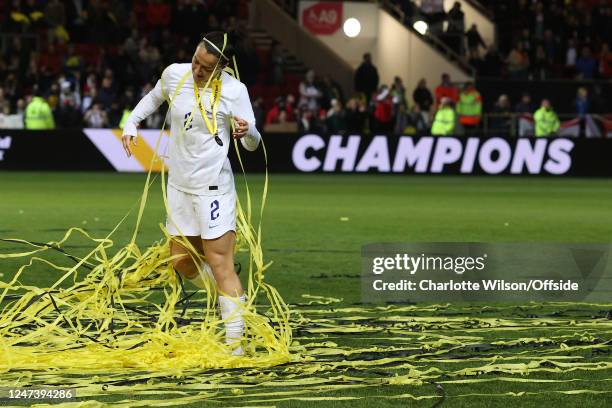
[420,26]
[352,27]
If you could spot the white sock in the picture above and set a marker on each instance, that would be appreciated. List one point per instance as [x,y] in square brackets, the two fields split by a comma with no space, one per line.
[203,276]
[231,312]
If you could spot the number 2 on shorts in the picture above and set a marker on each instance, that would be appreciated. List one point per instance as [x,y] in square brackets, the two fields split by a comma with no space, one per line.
[214,210]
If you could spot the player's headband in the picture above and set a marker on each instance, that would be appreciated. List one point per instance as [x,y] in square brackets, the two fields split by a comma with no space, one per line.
[217,48]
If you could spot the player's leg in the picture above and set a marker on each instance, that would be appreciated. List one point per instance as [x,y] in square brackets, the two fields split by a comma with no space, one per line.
[219,240]
[185,261]
[187,252]
[220,255]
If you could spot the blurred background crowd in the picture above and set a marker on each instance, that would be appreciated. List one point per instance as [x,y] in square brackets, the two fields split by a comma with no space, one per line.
[88,62]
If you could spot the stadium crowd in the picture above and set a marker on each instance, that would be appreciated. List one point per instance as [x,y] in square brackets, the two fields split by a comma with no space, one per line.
[537,39]
[86,63]
[380,108]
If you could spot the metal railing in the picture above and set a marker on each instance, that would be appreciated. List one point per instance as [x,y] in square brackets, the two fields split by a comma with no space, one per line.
[508,124]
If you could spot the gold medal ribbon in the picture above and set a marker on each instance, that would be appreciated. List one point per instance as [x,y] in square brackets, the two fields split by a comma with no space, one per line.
[215,98]
[215,95]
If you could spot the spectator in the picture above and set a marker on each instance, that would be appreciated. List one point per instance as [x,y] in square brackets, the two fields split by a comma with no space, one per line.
[153,121]
[55,14]
[38,115]
[309,92]
[355,115]
[3,100]
[582,102]
[570,58]
[115,114]
[51,60]
[546,120]
[444,121]
[308,121]
[409,123]
[398,94]
[278,112]
[447,89]
[456,28]
[433,11]
[107,93]
[88,98]
[586,65]
[476,61]
[20,107]
[259,112]
[492,63]
[336,118]
[524,106]
[422,96]
[526,41]
[8,120]
[582,107]
[290,108]
[157,14]
[366,77]
[96,117]
[330,90]
[540,67]
[68,116]
[501,120]
[474,40]
[68,93]
[277,61]
[518,62]
[149,58]
[605,62]
[383,110]
[550,45]
[469,107]
[53,95]
[539,22]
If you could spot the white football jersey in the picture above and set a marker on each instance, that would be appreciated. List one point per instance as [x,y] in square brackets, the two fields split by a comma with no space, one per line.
[197,163]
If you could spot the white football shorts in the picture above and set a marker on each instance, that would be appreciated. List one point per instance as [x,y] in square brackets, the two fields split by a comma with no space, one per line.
[208,216]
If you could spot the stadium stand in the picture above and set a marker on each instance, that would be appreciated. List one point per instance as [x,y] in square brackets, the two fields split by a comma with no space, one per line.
[92,60]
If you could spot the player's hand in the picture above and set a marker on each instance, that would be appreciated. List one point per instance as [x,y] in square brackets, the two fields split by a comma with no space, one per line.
[241,127]
[128,141]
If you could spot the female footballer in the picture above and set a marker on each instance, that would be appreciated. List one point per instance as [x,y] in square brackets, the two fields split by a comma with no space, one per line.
[201,194]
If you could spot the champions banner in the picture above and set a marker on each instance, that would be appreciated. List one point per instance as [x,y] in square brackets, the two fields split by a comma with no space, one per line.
[101,149]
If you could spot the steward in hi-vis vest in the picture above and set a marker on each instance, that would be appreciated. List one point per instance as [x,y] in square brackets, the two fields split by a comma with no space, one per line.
[545,120]
[38,115]
[469,107]
[444,121]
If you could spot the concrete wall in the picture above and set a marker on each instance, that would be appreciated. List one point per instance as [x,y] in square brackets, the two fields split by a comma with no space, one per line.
[351,49]
[401,52]
[396,50]
[310,49]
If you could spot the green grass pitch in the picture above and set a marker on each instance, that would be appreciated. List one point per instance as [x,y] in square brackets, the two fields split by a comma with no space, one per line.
[314,227]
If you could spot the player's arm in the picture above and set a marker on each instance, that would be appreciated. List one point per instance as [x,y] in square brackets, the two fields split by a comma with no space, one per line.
[147,105]
[244,121]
